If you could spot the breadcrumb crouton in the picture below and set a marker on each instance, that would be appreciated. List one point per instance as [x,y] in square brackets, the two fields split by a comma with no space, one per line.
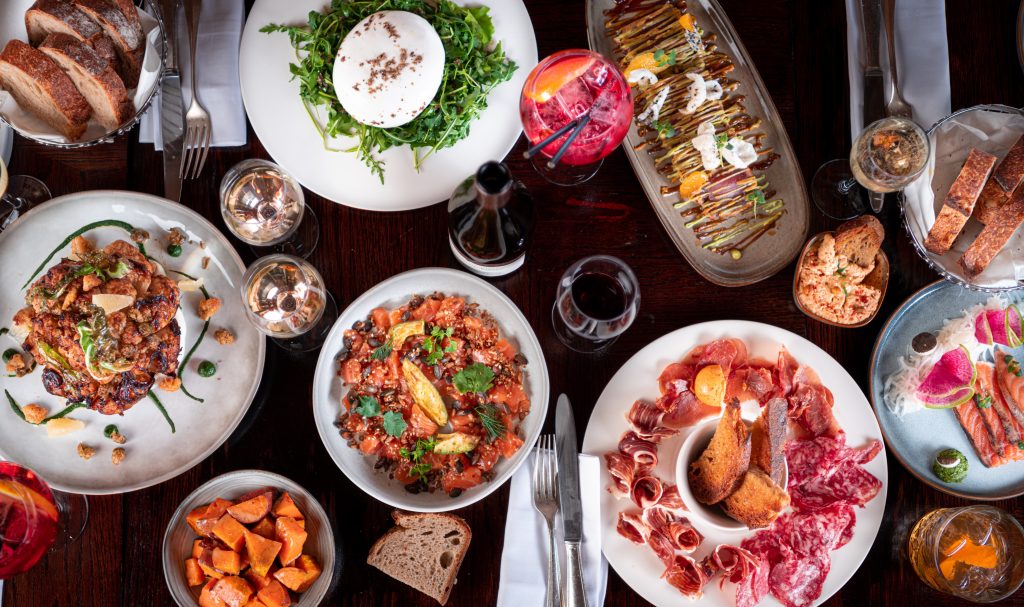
[85,451]
[117,455]
[170,384]
[224,337]
[118,438]
[80,246]
[208,307]
[35,414]
[176,236]
[91,281]
[16,363]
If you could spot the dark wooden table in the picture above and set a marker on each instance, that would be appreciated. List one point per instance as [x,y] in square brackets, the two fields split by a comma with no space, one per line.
[800,49]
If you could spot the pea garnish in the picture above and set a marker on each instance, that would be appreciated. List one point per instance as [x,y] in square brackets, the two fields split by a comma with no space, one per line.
[207,368]
[174,250]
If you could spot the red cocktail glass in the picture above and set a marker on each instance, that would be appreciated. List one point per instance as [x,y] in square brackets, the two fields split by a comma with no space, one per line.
[29,519]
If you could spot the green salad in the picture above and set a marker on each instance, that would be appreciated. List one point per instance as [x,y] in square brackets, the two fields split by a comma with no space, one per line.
[473,67]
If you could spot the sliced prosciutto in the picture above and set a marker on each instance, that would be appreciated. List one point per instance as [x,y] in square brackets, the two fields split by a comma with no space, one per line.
[642,452]
[950,383]
[733,562]
[631,526]
[675,372]
[686,576]
[729,353]
[671,501]
[1001,327]
[682,407]
[750,383]
[622,469]
[646,490]
[645,420]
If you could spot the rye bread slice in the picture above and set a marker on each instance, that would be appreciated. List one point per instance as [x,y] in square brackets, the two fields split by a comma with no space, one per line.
[859,239]
[126,35]
[423,550]
[41,87]
[94,77]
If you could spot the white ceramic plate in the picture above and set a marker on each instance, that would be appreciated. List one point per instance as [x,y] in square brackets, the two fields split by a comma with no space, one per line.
[393,292]
[154,454]
[12,26]
[638,378]
[179,536]
[277,115]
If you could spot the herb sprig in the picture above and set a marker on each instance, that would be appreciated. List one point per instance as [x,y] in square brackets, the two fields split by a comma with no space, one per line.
[432,345]
[477,378]
[490,419]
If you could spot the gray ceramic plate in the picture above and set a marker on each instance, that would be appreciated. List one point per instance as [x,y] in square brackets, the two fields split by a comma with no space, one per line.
[915,438]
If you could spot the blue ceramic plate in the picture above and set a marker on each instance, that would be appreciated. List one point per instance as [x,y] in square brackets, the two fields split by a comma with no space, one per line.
[915,438]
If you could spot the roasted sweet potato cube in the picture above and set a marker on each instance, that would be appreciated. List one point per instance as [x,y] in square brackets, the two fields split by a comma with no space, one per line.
[205,562]
[194,575]
[197,548]
[251,510]
[257,581]
[204,518]
[230,531]
[233,591]
[275,595]
[254,601]
[265,527]
[301,522]
[293,578]
[228,561]
[261,552]
[270,491]
[310,567]
[292,536]
[285,506]
[207,598]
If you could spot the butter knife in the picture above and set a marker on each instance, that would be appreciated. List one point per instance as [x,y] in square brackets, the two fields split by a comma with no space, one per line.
[874,87]
[172,108]
[569,501]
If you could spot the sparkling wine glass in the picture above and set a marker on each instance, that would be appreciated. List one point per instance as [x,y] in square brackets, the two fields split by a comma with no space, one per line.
[887,156]
[34,519]
[264,207]
[18,194]
[569,85]
[286,299]
[598,299]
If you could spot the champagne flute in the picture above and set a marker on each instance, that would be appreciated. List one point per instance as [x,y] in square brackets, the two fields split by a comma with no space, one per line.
[286,299]
[265,207]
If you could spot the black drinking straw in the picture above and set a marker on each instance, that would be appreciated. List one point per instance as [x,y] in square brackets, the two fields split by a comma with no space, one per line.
[568,142]
[530,153]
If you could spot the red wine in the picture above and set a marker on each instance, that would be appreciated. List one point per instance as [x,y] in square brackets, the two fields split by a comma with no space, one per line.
[599,296]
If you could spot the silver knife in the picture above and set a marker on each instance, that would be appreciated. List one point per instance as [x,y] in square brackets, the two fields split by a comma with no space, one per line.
[569,500]
[874,97]
[172,109]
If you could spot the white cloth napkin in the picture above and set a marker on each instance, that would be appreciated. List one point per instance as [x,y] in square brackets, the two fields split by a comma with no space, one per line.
[220,34]
[524,559]
[922,55]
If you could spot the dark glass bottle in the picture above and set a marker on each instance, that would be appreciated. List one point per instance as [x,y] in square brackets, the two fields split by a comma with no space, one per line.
[490,218]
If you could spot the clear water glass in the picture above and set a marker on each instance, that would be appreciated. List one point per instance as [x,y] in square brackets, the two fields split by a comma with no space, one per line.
[598,299]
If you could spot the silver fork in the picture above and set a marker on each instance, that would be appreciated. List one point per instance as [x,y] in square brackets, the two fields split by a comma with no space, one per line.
[545,500]
[197,120]
[897,105]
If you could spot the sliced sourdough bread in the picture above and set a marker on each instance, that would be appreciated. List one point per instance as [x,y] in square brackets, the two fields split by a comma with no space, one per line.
[859,239]
[423,551]
[46,17]
[757,501]
[124,33]
[719,469]
[768,440]
[41,87]
[94,77]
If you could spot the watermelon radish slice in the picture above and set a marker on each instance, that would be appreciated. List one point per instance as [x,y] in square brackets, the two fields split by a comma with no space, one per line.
[982,330]
[1001,327]
[950,383]
[1014,327]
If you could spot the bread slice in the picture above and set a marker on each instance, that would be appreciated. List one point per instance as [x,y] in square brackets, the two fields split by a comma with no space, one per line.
[994,237]
[768,439]
[105,49]
[960,201]
[859,239]
[991,200]
[95,79]
[47,17]
[718,471]
[126,35]
[757,501]
[41,87]
[424,551]
[1010,172]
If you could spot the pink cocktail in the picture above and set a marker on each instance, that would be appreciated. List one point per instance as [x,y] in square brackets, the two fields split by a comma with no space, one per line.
[566,86]
[28,519]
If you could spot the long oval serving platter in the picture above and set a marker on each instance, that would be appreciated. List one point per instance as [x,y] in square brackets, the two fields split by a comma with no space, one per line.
[773,251]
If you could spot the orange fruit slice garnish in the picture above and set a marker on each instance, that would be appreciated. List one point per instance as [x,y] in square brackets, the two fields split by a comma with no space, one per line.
[965,551]
[692,184]
[553,78]
[16,492]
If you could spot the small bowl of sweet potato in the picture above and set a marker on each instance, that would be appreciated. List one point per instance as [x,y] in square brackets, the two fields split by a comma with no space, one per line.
[249,539]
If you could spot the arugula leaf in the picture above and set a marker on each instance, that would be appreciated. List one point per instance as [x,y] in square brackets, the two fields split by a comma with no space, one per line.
[477,377]
[480,16]
[368,406]
[394,423]
[490,419]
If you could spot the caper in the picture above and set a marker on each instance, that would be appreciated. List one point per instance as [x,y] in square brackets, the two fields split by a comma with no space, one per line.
[174,250]
[207,368]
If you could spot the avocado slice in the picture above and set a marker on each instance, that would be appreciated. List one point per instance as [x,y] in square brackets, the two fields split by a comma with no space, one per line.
[453,444]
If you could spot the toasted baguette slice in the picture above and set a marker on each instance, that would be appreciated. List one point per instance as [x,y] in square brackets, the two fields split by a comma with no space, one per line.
[41,87]
[59,17]
[95,79]
[757,502]
[960,201]
[126,35]
[423,551]
[994,237]
[718,470]
[768,439]
[859,239]
[1010,172]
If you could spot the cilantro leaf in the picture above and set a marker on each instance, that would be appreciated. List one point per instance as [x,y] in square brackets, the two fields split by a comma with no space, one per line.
[432,345]
[477,377]
[368,406]
[394,423]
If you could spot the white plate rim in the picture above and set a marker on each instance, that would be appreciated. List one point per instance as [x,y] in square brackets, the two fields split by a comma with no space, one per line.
[326,373]
[673,346]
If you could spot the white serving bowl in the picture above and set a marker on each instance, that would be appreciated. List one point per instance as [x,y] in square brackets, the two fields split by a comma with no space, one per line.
[393,292]
[179,536]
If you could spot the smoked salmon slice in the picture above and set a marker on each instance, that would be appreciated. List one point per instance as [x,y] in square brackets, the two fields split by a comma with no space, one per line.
[1011,386]
[982,421]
